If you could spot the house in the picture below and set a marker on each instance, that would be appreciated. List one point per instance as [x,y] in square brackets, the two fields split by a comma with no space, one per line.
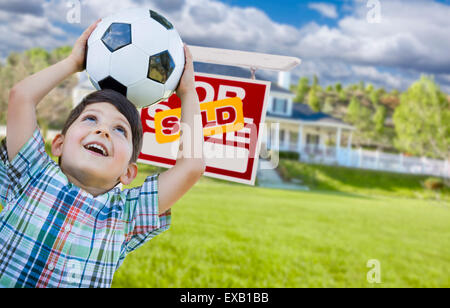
[316,136]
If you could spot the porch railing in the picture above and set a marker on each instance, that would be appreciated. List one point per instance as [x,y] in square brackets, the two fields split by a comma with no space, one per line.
[364,159]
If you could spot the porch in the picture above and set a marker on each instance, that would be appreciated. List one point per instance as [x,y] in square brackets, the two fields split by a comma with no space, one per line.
[315,143]
[333,146]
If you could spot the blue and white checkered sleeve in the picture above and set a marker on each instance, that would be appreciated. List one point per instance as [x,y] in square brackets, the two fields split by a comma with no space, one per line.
[17,173]
[142,213]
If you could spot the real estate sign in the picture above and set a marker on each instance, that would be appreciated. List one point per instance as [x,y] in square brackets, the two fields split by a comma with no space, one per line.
[232,110]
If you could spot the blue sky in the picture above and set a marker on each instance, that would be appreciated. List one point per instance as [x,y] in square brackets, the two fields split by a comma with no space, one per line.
[292,12]
[335,39]
[297,13]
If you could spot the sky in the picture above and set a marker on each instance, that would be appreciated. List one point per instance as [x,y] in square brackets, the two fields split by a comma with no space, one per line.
[388,43]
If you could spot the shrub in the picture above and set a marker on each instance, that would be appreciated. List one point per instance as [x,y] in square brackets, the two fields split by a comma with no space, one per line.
[289,155]
[283,172]
[433,183]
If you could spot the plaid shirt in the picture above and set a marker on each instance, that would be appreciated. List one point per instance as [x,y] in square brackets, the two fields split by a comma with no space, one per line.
[54,234]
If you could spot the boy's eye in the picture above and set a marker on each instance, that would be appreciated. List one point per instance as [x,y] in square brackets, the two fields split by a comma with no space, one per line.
[121,130]
[90,118]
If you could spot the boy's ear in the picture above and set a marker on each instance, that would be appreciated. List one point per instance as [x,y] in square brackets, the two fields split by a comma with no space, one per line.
[57,145]
[129,175]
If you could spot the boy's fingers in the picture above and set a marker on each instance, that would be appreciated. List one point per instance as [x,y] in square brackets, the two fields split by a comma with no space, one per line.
[91,28]
[188,53]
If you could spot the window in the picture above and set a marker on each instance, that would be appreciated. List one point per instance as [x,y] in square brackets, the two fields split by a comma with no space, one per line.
[312,139]
[282,135]
[294,137]
[279,105]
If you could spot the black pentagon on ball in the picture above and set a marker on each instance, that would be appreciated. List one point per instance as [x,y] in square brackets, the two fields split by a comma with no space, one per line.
[161,19]
[118,35]
[111,83]
[160,67]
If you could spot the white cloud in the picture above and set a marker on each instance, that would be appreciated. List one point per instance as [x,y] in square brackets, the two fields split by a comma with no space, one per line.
[411,39]
[23,31]
[326,9]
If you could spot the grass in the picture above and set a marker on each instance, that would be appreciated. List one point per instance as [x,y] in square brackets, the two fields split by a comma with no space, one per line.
[367,182]
[230,235]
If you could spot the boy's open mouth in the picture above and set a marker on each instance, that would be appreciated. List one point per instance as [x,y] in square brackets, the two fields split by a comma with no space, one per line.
[96,148]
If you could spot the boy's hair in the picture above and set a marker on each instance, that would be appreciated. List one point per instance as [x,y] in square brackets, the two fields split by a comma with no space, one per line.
[122,104]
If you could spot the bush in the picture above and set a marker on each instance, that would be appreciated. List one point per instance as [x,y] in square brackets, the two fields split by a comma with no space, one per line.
[433,183]
[289,155]
[284,173]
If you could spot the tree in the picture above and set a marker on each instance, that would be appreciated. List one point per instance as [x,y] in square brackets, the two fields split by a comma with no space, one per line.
[361,85]
[353,110]
[422,120]
[315,81]
[313,100]
[55,107]
[378,120]
[369,88]
[60,53]
[328,106]
[395,92]
[302,89]
[39,58]
[338,87]
[360,117]
[374,96]
[342,95]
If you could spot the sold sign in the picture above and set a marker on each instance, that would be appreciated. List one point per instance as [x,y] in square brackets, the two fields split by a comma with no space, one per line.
[232,110]
[218,117]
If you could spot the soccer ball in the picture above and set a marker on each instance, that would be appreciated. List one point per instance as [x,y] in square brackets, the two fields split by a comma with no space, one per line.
[138,53]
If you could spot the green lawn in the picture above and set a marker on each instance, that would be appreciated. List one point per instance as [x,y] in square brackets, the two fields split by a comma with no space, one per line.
[366,182]
[230,235]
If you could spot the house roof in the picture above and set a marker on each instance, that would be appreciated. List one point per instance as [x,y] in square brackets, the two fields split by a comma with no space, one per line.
[304,113]
[234,71]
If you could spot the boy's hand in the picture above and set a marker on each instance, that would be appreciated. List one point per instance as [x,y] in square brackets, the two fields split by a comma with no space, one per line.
[187,82]
[78,55]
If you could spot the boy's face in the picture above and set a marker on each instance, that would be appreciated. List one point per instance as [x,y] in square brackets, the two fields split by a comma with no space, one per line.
[96,149]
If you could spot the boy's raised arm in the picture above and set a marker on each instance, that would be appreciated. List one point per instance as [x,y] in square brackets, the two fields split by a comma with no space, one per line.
[26,94]
[190,165]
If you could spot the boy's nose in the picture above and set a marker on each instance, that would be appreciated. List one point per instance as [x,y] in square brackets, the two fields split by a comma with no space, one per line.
[102,132]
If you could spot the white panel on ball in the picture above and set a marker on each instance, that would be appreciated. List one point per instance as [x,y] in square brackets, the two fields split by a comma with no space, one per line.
[150,90]
[130,15]
[129,65]
[98,66]
[147,35]
[177,52]
[176,48]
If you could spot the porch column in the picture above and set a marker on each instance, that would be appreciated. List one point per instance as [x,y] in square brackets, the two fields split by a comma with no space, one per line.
[300,140]
[338,143]
[286,139]
[349,148]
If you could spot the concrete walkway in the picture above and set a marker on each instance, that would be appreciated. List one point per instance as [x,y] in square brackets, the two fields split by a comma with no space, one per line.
[268,177]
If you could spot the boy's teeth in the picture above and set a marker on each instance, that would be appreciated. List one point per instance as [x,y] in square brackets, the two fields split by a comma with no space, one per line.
[96,146]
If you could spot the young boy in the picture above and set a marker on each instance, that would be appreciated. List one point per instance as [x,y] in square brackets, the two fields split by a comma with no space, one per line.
[67,224]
